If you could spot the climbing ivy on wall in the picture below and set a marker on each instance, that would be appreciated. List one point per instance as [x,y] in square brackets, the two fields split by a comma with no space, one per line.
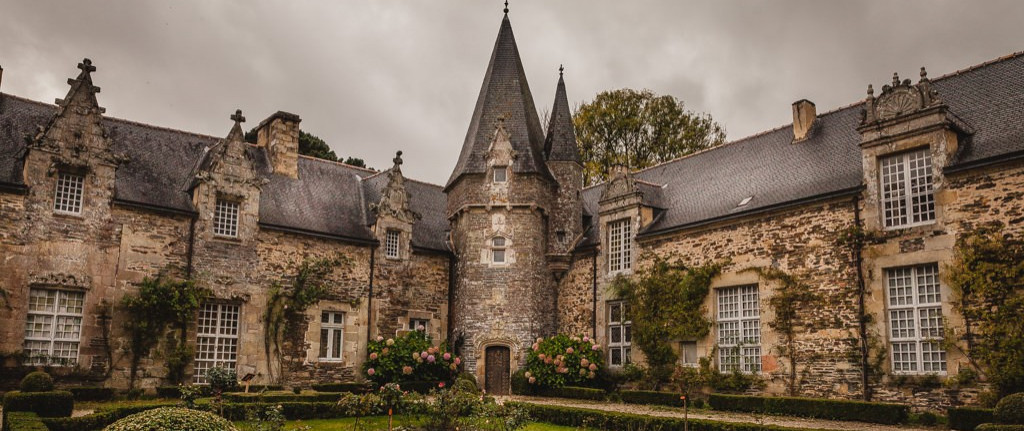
[665,301]
[287,304]
[987,280]
[160,303]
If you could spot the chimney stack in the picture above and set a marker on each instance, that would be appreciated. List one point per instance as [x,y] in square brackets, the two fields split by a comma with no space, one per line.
[804,114]
[279,135]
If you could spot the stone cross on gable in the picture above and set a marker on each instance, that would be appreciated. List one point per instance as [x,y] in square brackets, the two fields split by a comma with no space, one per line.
[86,66]
[238,118]
[398,158]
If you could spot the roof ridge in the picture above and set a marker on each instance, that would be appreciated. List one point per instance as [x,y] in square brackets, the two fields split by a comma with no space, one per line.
[980,65]
[336,162]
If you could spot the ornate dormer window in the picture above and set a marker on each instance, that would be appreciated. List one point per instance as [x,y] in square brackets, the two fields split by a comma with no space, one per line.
[906,189]
[498,250]
[67,199]
[391,247]
[225,218]
[500,174]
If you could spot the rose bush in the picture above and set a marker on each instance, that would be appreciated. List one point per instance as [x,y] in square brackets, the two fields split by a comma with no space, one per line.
[411,357]
[563,360]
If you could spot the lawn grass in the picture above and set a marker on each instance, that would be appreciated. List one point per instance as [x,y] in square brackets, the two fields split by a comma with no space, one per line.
[381,423]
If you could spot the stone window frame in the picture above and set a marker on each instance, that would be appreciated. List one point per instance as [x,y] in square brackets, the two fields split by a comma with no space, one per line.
[226,215]
[913,298]
[392,244]
[56,311]
[621,324]
[910,175]
[69,193]
[688,356]
[620,245]
[217,340]
[415,322]
[499,250]
[504,174]
[334,331]
[739,328]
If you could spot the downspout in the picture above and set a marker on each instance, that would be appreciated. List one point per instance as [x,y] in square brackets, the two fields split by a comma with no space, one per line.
[191,246]
[451,300]
[593,277]
[369,298]
[858,258]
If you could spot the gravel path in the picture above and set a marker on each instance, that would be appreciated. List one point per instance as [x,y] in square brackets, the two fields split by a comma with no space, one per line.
[786,421]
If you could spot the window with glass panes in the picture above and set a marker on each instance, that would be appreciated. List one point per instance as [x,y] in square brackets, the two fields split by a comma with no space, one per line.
[216,338]
[391,244]
[498,250]
[915,319]
[419,324]
[620,334]
[906,188]
[332,335]
[500,174]
[53,328]
[68,196]
[620,256]
[739,329]
[225,218]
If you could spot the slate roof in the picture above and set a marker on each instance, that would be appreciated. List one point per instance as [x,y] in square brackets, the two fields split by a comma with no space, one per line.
[504,93]
[773,171]
[427,200]
[560,144]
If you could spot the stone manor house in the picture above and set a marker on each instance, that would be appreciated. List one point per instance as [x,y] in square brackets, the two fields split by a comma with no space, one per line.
[512,247]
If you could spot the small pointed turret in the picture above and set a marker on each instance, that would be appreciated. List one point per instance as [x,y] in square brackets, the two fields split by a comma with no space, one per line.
[560,144]
[82,92]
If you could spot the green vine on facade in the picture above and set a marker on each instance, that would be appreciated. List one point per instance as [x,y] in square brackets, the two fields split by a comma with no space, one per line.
[287,304]
[987,280]
[666,304]
[160,303]
[790,297]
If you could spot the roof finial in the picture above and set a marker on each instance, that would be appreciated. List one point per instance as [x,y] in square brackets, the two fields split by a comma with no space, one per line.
[86,66]
[924,74]
[871,91]
[398,158]
[238,116]
[506,7]
[560,69]
[895,79]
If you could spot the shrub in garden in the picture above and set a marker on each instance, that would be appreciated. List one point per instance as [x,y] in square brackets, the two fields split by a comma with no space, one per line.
[48,404]
[410,357]
[171,419]
[968,418]
[91,393]
[1010,409]
[521,384]
[37,381]
[563,360]
[356,388]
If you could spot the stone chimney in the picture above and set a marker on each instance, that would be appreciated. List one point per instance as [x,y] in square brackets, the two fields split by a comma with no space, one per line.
[803,118]
[279,134]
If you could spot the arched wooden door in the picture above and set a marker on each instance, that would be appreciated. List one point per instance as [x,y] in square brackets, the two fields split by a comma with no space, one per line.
[497,375]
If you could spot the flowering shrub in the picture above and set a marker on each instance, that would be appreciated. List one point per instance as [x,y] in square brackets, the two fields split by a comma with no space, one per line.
[171,418]
[563,360]
[410,357]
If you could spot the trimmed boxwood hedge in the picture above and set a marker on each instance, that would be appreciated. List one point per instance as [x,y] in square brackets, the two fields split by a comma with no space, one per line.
[104,415]
[968,418]
[45,404]
[355,388]
[596,419]
[999,427]
[91,393]
[843,410]
[574,392]
[174,392]
[23,421]
[280,397]
[652,397]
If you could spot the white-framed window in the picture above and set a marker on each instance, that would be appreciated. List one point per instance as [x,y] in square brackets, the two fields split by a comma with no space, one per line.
[216,338]
[53,328]
[620,248]
[225,218]
[915,319]
[906,189]
[419,324]
[688,353]
[500,174]
[498,249]
[620,334]
[739,329]
[391,244]
[332,335]
[67,198]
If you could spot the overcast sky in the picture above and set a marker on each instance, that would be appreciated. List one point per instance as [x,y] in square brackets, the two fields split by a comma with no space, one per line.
[372,77]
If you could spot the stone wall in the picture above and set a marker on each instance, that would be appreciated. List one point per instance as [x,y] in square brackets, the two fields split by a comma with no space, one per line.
[576,296]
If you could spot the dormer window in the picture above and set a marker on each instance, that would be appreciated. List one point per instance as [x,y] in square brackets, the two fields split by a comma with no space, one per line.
[906,189]
[225,218]
[620,249]
[391,244]
[500,174]
[68,197]
[498,250]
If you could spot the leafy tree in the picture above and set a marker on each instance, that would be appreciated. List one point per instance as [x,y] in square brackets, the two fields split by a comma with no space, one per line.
[638,129]
[665,301]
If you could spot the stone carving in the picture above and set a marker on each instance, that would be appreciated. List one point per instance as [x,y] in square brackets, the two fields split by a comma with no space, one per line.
[59,279]
[622,184]
[394,200]
[899,99]
[501,152]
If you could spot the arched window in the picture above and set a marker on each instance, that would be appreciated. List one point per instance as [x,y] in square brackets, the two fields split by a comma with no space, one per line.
[498,250]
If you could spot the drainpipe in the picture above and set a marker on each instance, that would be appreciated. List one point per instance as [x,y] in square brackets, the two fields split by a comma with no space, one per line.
[451,300]
[191,246]
[861,312]
[369,297]
[593,277]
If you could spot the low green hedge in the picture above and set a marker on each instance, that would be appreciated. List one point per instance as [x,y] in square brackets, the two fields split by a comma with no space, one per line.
[355,388]
[999,427]
[23,421]
[91,393]
[104,415]
[45,404]
[292,410]
[174,392]
[652,397]
[968,418]
[280,397]
[573,392]
[843,410]
[596,419]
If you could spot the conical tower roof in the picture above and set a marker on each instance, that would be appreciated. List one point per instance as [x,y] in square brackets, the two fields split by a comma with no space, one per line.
[504,94]
[560,145]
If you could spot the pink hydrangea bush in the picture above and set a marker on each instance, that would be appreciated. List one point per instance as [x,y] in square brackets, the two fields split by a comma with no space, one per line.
[563,360]
[411,357]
